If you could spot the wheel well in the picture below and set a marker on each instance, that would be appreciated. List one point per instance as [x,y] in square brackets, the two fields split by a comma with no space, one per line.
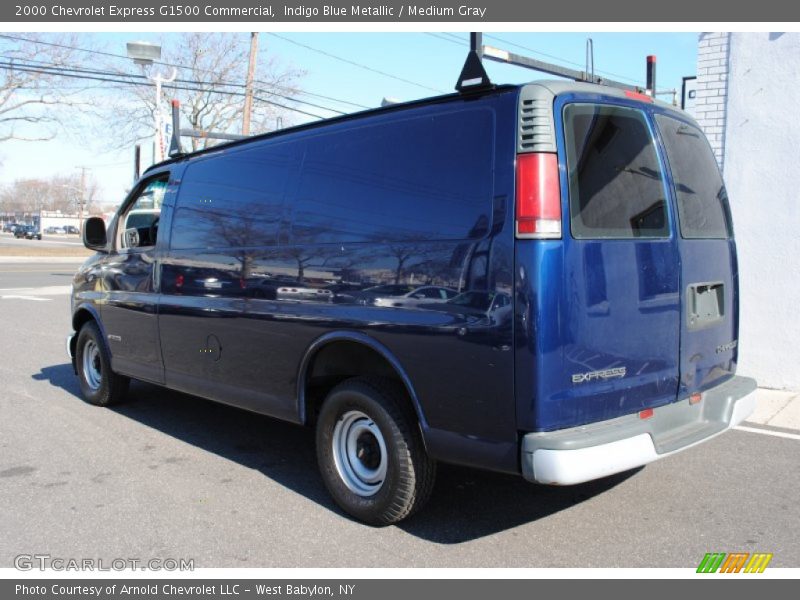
[341,360]
[80,318]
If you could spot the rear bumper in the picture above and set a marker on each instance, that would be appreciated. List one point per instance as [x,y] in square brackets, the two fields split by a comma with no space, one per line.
[579,454]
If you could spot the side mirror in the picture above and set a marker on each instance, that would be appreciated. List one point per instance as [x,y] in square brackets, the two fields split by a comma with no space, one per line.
[94,234]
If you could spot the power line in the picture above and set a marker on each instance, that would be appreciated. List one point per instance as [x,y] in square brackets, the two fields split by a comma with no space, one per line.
[187,67]
[59,70]
[355,64]
[45,71]
[446,39]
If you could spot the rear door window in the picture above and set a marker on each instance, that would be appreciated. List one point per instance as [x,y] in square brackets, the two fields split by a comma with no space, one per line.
[616,184]
[702,201]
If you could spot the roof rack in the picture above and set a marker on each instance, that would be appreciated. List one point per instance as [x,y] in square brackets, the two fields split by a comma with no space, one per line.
[473,75]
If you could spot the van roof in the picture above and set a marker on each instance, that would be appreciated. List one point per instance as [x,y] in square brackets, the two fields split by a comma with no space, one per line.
[550,86]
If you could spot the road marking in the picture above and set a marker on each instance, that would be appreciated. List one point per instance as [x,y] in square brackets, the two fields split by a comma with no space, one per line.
[14,297]
[45,270]
[780,434]
[30,292]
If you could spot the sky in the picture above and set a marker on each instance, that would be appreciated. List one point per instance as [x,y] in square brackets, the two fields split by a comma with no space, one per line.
[412,65]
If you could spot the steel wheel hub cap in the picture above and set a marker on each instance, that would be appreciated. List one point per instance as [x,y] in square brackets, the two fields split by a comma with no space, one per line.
[359,452]
[92,367]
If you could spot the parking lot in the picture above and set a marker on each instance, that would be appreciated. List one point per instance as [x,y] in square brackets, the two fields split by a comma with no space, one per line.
[168,475]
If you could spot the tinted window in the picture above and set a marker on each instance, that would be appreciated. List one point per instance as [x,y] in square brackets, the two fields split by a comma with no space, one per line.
[616,185]
[139,223]
[415,179]
[233,200]
[702,202]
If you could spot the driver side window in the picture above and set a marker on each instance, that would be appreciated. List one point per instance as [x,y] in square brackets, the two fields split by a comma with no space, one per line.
[138,225]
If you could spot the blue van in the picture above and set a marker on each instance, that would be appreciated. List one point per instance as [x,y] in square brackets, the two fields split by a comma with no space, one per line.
[536,279]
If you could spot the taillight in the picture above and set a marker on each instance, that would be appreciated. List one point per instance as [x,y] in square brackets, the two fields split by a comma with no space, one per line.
[179,281]
[538,196]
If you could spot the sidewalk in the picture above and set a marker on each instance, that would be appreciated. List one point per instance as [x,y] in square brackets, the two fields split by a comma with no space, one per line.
[777,408]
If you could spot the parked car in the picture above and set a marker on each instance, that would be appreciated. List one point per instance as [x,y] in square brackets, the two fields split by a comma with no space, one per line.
[589,224]
[9,227]
[405,295]
[71,230]
[345,292]
[28,232]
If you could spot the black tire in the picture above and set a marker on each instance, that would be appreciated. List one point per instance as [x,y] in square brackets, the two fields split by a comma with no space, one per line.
[409,472]
[108,388]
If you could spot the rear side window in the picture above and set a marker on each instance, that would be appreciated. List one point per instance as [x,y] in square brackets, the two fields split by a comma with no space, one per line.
[702,201]
[426,178]
[616,186]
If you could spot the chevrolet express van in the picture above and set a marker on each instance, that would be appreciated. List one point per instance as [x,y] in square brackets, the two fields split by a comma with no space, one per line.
[581,235]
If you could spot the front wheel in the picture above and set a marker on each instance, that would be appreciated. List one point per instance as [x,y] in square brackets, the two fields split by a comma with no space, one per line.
[370,451]
[99,384]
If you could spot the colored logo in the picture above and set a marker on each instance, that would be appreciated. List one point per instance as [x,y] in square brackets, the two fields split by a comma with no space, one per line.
[735,562]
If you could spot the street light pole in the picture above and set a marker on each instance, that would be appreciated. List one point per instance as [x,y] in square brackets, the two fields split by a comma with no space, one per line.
[159,79]
[144,54]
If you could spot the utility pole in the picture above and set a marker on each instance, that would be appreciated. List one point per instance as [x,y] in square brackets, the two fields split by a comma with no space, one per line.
[248,90]
[80,200]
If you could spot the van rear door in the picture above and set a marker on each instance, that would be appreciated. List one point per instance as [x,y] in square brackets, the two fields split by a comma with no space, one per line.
[616,347]
[709,283]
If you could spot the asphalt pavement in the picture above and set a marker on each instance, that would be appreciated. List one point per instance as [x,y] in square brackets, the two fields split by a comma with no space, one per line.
[7,239]
[172,476]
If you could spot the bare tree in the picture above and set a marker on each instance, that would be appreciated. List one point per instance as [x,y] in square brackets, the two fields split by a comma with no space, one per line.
[208,63]
[60,192]
[32,94]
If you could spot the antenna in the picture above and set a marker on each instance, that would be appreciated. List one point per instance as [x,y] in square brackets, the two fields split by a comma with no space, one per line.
[473,76]
[590,58]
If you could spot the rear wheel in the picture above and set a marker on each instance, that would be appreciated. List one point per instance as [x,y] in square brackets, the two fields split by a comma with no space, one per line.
[99,384]
[370,452]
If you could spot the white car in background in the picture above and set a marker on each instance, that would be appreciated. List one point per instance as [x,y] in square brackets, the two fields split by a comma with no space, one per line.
[407,296]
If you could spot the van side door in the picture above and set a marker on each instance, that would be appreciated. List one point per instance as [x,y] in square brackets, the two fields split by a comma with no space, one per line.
[225,226]
[130,280]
